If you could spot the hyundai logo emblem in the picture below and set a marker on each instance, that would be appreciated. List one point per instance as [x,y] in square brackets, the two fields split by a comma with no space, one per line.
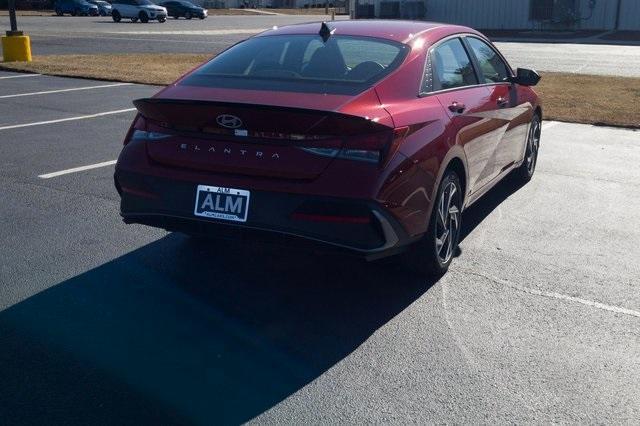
[229,121]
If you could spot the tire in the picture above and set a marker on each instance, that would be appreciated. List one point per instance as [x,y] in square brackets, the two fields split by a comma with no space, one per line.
[115,15]
[162,19]
[59,12]
[74,13]
[525,172]
[202,17]
[175,16]
[432,255]
[188,15]
[144,18]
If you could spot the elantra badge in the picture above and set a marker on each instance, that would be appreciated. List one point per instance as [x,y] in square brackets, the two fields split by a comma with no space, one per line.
[229,121]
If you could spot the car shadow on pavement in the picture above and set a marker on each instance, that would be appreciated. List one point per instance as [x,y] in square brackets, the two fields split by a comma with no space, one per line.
[475,214]
[185,332]
[182,332]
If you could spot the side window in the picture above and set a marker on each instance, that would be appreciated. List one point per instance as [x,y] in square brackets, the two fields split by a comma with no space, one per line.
[451,66]
[492,67]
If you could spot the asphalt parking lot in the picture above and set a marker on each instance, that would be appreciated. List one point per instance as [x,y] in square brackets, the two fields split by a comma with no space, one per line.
[52,35]
[100,322]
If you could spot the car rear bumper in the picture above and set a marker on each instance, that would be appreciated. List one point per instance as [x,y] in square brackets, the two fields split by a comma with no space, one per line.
[169,204]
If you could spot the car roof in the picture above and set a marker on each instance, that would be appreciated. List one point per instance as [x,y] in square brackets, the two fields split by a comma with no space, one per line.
[396,30]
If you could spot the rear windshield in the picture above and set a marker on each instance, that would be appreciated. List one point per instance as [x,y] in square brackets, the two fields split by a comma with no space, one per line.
[302,63]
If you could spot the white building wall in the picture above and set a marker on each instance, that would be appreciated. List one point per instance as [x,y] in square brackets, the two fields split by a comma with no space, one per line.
[514,14]
[630,15]
[602,17]
[494,14]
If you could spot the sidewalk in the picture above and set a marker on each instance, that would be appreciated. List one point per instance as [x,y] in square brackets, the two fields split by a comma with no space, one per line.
[626,38]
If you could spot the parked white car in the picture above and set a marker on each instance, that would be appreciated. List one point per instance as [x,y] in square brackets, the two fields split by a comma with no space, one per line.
[135,10]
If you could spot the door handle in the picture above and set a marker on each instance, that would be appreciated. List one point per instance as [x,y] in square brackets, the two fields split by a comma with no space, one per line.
[502,102]
[457,107]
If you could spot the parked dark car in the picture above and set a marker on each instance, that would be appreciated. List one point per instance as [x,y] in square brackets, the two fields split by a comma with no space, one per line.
[369,136]
[75,7]
[104,8]
[178,8]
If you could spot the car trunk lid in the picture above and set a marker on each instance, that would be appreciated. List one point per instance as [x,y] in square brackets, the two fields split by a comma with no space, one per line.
[259,139]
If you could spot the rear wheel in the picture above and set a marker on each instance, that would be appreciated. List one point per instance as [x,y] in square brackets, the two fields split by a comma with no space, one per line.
[524,173]
[144,18]
[432,255]
[115,15]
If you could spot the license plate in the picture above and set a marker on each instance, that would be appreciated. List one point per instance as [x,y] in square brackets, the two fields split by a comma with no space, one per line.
[222,203]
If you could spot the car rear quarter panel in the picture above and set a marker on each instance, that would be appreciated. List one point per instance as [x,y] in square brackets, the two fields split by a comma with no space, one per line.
[429,144]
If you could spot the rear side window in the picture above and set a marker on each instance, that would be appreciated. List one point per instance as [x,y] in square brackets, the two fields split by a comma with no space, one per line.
[492,67]
[302,63]
[451,66]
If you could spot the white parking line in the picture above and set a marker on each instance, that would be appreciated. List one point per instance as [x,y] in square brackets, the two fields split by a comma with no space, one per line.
[558,296]
[61,120]
[46,92]
[20,76]
[77,169]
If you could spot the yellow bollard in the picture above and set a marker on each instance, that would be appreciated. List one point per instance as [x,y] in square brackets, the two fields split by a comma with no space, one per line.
[16,47]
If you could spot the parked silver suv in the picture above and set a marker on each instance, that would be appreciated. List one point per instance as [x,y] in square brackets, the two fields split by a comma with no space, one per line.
[135,10]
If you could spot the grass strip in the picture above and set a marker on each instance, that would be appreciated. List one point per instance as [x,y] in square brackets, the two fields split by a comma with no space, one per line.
[578,98]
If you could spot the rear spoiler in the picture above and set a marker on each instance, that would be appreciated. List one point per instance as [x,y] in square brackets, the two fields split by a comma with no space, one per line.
[196,115]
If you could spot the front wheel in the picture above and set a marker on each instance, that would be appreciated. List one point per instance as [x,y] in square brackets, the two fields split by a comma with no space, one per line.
[524,173]
[162,19]
[115,15]
[432,255]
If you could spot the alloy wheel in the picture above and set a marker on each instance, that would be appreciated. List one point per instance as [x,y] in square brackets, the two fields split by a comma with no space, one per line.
[448,222]
[533,145]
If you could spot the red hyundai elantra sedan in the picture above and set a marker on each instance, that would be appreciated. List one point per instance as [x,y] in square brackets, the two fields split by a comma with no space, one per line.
[370,137]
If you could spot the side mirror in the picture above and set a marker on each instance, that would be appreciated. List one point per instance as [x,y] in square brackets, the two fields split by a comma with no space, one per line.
[526,77]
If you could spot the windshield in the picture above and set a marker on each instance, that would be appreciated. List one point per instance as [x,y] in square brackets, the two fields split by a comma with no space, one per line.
[302,63]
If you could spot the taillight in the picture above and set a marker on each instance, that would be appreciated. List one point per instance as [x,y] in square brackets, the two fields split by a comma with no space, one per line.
[399,134]
[143,135]
[371,156]
[139,123]
[377,148]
